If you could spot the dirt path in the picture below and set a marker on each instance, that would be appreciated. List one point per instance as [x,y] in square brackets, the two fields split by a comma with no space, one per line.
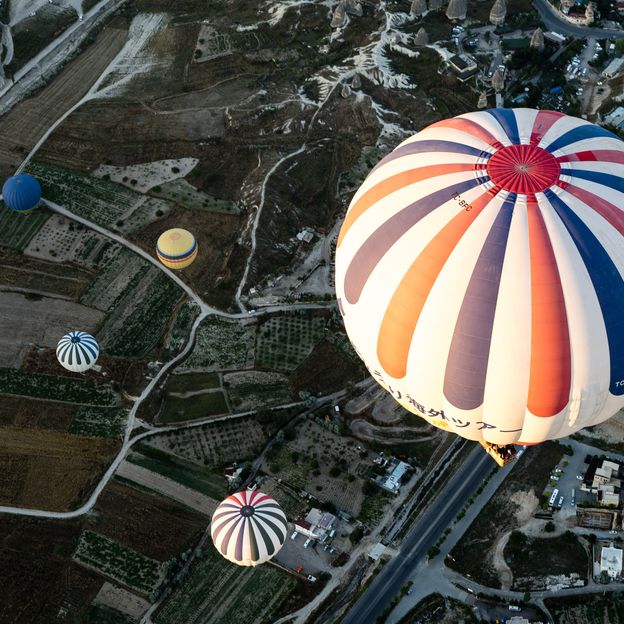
[364,429]
[500,565]
[27,122]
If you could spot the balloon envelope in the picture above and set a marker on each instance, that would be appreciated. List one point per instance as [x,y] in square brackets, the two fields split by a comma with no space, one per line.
[248,528]
[77,351]
[176,248]
[21,192]
[479,271]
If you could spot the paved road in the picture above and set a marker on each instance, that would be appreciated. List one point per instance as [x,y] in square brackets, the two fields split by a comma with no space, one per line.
[554,21]
[423,535]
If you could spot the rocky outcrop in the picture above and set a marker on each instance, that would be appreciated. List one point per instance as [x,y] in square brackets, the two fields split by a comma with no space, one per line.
[436,5]
[418,7]
[537,39]
[456,10]
[353,7]
[498,13]
[356,83]
[482,103]
[498,80]
[339,18]
[421,38]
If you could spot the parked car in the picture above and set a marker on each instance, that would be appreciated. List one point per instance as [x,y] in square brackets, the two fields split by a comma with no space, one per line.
[294,535]
[307,542]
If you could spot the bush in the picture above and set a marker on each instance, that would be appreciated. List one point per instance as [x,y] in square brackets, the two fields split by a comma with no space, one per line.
[549,527]
[434,551]
[356,535]
[334,471]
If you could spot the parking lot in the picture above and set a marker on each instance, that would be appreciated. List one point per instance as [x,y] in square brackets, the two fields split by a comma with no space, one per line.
[313,559]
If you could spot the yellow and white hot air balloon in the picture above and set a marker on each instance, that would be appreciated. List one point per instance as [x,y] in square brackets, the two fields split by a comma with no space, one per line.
[176,248]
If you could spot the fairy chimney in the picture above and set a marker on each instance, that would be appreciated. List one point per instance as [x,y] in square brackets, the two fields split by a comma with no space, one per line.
[418,7]
[537,40]
[421,38]
[498,81]
[456,10]
[339,18]
[482,103]
[498,13]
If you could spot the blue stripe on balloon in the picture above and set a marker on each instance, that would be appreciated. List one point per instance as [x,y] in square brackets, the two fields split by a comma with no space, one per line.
[606,179]
[388,233]
[431,145]
[467,362]
[589,131]
[507,119]
[607,282]
[181,256]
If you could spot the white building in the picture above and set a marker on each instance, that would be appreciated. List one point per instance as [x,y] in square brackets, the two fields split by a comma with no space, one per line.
[316,525]
[392,480]
[613,67]
[611,561]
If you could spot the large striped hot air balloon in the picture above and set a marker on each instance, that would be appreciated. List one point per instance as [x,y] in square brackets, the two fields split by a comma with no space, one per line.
[21,192]
[479,271]
[176,248]
[248,528]
[77,351]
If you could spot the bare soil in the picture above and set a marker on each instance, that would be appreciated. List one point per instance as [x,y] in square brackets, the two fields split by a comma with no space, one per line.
[50,470]
[24,413]
[155,527]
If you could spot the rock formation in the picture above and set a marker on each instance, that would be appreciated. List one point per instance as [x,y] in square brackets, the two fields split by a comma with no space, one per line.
[421,38]
[537,40]
[435,5]
[356,83]
[418,7]
[498,80]
[456,10]
[339,19]
[498,13]
[353,7]
[482,103]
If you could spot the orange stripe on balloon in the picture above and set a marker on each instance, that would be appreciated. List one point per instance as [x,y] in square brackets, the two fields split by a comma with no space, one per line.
[469,127]
[550,372]
[395,183]
[403,312]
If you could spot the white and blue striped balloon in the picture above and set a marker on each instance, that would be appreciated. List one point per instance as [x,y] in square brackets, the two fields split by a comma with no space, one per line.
[77,351]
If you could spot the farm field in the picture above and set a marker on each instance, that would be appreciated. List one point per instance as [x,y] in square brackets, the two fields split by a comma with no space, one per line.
[120,601]
[56,388]
[214,444]
[284,342]
[99,422]
[121,271]
[217,592]
[118,562]
[180,328]
[46,321]
[179,470]
[101,614]
[199,405]
[26,123]
[140,316]
[39,576]
[192,382]
[24,413]
[45,469]
[21,271]
[254,389]
[186,195]
[222,345]
[18,229]
[86,196]
[155,527]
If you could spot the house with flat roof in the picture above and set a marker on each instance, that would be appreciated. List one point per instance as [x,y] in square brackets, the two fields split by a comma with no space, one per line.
[391,481]
[316,525]
[611,561]
[463,66]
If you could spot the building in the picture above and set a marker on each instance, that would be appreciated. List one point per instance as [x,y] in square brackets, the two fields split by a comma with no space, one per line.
[613,68]
[611,561]
[615,117]
[602,478]
[232,474]
[377,551]
[392,479]
[608,495]
[593,518]
[554,37]
[463,66]
[578,12]
[316,525]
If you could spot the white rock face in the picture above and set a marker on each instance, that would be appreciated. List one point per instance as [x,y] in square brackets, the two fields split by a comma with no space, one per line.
[456,10]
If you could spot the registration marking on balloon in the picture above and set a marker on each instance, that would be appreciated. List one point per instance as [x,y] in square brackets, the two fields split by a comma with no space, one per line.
[479,268]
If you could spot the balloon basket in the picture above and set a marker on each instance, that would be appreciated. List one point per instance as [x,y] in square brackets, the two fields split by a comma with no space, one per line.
[501,454]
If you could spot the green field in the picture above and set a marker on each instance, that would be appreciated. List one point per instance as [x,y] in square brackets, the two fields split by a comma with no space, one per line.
[183,472]
[217,592]
[283,342]
[17,229]
[177,409]
[140,316]
[183,194]
[86,196]
[189,382]
[222,345]
[257,389]
[118,562]
[100,614]
[181,327]
[55,388]
[99,422]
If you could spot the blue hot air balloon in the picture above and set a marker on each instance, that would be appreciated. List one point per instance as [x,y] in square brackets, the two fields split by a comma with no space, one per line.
[21,192]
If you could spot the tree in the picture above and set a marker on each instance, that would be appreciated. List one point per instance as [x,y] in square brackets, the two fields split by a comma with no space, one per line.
[368,488]
[550,527]
[434,551]
[334,471]
[527,596]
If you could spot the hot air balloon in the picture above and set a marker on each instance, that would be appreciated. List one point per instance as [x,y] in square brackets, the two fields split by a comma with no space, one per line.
[248,528]
[21,192]
[176,248]
[77,351]
[479,272]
